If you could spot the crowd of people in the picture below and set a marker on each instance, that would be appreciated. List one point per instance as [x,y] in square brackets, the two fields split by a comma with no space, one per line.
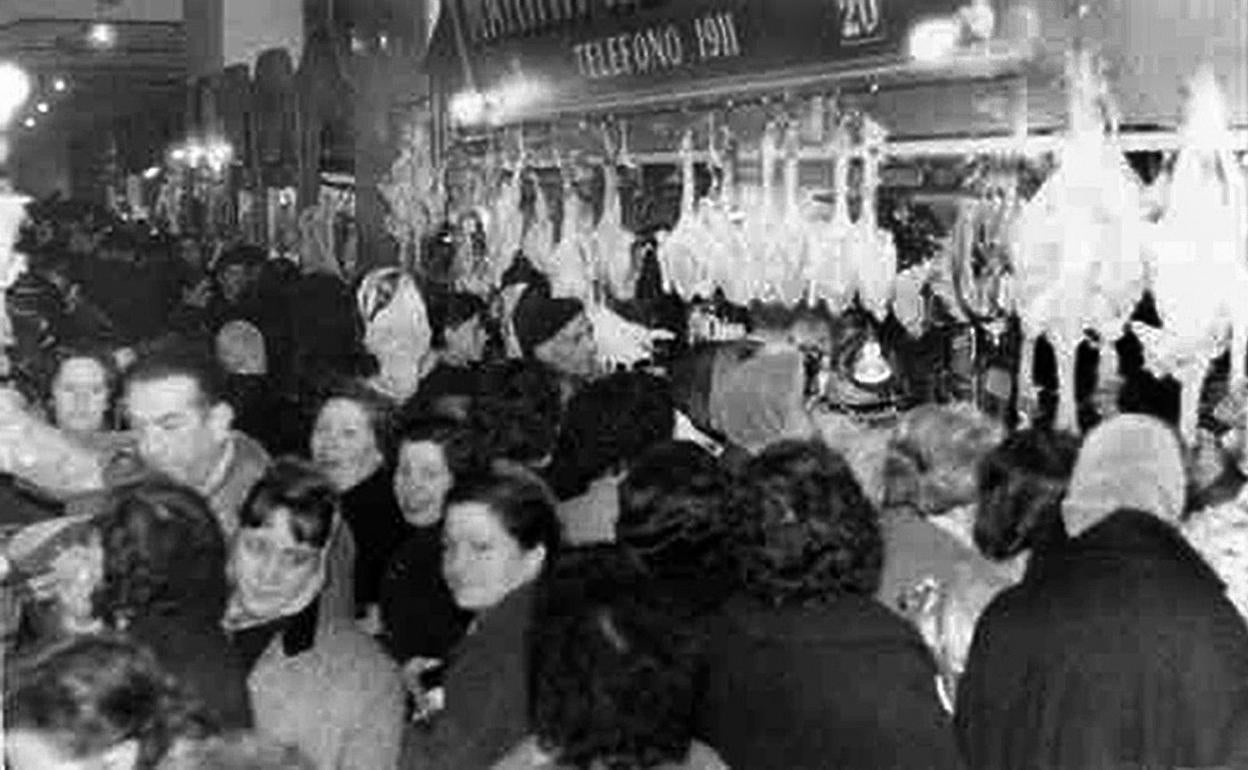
[262,519]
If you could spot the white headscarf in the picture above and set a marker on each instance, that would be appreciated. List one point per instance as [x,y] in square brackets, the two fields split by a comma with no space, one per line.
[1131,461]
[397,330]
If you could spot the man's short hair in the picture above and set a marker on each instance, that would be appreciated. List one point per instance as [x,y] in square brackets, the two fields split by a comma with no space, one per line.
[181,360]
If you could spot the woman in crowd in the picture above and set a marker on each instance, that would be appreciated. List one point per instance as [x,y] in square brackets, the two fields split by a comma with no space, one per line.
[556,332]
[673,503]
[349,440]
[1021,485]
[316,681]
[82,395]
[613,676]
[1117,649]
[151,564]
[933,573]
[95,701]
[806,669]
[164,585]
[1216,523]
[459,338]
[606,425]
[418,613]
[500,531]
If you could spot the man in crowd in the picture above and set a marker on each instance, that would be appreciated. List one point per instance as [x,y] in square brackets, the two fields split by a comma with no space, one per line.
[176,407]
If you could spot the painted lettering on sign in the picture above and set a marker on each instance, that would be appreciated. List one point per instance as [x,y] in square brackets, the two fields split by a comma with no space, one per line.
[491,20]
[657,48]
[860,20]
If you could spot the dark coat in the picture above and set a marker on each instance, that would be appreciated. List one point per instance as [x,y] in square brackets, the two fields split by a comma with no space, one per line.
[377,524]
[843,685]
[419,614]
[195,649]
[487,695]
[1119,649]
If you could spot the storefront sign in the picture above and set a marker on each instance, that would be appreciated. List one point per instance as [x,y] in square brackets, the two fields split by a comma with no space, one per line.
[565,54]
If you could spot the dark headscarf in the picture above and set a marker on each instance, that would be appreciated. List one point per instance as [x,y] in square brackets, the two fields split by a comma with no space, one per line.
[538,316]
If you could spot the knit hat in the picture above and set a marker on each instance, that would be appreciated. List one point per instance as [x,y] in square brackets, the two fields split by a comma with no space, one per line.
[539,317]
[1131,461]
[240,349]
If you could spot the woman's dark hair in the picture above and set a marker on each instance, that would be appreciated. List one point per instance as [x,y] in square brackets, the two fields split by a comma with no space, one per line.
[90,693]
[516,412]
[612,676]
[458,443]
[163,552]
[1021,486]
[608,424]
[804,532]
[377,408]
[295,486]
[673,505]
[520,500]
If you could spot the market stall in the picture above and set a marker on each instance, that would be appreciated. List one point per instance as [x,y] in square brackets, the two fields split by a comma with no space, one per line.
[877,162]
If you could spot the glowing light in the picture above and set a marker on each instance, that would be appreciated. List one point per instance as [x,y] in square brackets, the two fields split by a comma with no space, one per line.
[980,19]
[30,122]
[42,108]
[468,107]
[59,85]
[151,173]
[102,35]
[934,39]
[14,90]
[218,154]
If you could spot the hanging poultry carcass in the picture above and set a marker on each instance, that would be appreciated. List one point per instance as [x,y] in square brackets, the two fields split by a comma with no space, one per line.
[771,248]
[679,251]
[538,243]
[569,268]
[504,223]
[829,275]
[1078,262]
[877,260]
[1197,250]
[612,244]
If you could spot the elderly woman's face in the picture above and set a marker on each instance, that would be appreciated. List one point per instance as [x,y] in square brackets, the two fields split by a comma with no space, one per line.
[572,350]
[421,482]
[272,570]
[344,443]
[80,395]
[481,561]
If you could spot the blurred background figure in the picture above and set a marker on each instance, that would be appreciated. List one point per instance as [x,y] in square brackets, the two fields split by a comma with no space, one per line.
[614,677]
[95,701]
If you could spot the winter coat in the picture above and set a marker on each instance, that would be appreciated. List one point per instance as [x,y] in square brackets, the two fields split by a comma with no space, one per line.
[843,685]
[487,694]
[1118,649]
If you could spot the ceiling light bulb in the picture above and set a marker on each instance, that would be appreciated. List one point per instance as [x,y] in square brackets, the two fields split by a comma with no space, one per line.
[59,85]
[102,35]
[29,122]
[42,108]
